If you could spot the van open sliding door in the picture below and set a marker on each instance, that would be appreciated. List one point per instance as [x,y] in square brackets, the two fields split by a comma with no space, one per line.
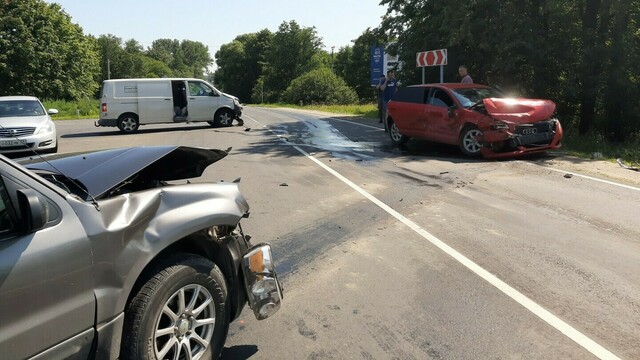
[155,101]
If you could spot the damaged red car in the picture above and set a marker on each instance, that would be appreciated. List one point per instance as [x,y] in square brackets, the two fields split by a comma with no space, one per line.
[479,119]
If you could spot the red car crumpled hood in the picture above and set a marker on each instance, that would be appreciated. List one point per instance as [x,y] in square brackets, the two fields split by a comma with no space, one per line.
[519,110]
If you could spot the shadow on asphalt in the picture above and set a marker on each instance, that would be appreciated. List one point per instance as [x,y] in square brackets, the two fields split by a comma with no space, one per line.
[141,131]
[241,352]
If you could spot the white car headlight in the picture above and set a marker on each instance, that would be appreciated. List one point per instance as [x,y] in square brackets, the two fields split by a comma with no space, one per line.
[48,127]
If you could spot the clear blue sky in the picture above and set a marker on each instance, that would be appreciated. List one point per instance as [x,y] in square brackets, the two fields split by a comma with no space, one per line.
[215,22]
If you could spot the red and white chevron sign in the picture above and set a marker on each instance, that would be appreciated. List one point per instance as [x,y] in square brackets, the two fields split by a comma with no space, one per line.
[431,58]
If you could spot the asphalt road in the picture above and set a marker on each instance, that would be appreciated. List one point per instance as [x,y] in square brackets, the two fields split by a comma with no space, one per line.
[418,253]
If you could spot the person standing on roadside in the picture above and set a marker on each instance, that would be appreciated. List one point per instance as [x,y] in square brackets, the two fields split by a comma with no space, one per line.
[466,78]
[380,96]
[389,88]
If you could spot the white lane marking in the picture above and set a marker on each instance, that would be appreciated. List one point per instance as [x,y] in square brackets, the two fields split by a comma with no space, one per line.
[355,123]
[593,178]
[573,334]
[520,298]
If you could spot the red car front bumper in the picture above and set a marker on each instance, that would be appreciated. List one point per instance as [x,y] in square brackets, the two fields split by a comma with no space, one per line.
[495,141]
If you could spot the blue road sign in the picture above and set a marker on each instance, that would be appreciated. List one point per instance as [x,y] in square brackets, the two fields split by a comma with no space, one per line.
[377,64]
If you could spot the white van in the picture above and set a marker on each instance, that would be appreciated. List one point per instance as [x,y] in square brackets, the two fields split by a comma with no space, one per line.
[129,103]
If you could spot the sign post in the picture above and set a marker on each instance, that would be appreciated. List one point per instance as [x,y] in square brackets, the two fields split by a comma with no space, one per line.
[432,58]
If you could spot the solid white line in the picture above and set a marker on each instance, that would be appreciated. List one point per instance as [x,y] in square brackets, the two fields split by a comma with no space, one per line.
[355,123]
[593,178]
[573,334]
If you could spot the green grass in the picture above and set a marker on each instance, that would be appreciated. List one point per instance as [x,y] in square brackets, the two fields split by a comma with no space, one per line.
[364,110]
[81,109]
[585,146]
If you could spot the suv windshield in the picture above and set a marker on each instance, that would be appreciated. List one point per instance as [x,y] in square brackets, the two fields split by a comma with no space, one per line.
[469,96]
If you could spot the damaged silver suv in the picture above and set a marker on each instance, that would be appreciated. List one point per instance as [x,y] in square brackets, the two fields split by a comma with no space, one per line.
[101,257]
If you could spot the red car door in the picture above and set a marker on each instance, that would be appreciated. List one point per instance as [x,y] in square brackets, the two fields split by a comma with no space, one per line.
[407,108]
[440,126]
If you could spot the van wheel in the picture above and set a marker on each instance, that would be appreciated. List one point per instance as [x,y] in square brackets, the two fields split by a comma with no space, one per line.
[224,117]
[128,123]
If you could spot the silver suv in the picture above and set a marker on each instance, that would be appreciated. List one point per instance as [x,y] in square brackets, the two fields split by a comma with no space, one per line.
[101,257]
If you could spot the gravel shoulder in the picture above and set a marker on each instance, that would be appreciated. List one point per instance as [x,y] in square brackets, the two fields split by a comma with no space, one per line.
[603,169]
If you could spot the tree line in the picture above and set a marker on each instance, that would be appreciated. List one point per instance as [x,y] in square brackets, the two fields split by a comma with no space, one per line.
[44,54]
[579,53]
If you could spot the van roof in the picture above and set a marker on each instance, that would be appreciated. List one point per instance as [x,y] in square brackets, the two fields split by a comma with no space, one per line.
[152,79]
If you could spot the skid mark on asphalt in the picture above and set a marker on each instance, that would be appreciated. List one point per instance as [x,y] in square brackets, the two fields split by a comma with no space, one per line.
[305,331]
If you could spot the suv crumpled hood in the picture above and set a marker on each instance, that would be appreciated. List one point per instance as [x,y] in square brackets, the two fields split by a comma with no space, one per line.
[102,171]
[519,110]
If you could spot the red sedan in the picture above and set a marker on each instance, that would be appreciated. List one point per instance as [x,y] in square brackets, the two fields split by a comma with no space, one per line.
[477,118]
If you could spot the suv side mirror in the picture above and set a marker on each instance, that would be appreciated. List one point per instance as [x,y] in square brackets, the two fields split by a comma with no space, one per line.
[32,211]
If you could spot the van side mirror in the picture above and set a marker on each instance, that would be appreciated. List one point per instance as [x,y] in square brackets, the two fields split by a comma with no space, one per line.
[32,211]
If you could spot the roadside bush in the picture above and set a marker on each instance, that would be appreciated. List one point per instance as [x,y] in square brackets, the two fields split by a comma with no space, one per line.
[80,109]
[320,86]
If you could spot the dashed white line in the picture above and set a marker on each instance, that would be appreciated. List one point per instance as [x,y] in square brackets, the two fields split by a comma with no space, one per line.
[569,331]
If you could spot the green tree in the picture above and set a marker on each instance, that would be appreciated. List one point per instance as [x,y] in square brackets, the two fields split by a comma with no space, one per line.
[353,63]
[319,86]
[112,63]
[186,59]
[581,54]
[132,46]
[241,62]
[42,53]
[195,57]
[290,55]
[128,60]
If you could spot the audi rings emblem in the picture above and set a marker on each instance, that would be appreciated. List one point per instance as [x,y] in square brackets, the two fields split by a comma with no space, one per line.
[529,131]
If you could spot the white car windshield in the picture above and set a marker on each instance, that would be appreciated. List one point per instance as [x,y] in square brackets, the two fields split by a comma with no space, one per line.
[11,108]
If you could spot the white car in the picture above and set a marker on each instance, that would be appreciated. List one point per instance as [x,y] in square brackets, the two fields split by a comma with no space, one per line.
[26,126]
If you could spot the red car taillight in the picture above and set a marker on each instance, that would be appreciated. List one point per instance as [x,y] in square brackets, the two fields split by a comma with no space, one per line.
[104,107]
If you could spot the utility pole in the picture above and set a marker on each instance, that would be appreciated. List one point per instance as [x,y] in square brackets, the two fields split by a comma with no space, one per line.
[108,69]
[333,47]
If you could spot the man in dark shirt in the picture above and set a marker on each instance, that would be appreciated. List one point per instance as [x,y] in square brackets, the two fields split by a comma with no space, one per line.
[388,88]
[380,96]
